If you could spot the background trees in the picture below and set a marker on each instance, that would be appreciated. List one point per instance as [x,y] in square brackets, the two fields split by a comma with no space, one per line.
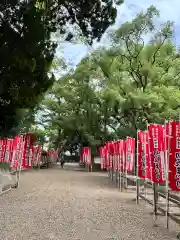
[112,92]
[27,48]
[118,89]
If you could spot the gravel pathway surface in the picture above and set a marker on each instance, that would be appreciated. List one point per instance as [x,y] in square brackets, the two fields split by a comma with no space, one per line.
[70,205]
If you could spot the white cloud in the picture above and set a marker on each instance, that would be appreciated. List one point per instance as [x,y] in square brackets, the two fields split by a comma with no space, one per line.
[169,9]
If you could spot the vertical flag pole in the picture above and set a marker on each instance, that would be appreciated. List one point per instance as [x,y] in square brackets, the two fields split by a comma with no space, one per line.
[167,149]
[126,162]
[20,163]
[153,184]
[120,164]
[118,167]
[145,155]
[137,167]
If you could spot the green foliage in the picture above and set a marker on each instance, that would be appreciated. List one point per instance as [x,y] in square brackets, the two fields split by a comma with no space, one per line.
[27,49]
[5,166]
[118,89]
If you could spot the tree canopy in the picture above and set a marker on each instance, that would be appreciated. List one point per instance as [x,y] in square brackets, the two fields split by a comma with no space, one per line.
[27,48]
[118,89]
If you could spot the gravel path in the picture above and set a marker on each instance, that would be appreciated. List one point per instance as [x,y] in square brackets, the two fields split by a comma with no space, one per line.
[70,205]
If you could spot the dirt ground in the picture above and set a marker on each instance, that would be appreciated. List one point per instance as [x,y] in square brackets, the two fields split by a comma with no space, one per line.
[70,205]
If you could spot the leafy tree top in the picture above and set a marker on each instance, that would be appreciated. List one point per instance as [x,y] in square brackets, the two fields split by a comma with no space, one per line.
[27,49]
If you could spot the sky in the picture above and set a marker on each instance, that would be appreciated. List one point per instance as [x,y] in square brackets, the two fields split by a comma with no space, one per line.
[169,10]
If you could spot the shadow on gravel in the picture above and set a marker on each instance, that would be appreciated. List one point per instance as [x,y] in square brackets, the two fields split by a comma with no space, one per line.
[99,181]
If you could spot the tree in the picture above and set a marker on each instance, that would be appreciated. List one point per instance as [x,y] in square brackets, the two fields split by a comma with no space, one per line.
[117,90]
[27,49]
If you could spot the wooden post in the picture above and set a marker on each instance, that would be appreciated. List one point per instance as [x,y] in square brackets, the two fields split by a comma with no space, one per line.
[155,202]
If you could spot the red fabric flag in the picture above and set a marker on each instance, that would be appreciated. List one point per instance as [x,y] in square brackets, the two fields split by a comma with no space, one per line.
[130,153]
[36,154]
[143,157]
[156,147]
[106,154]
[174,156]
[89,158]
[148,174]
[17,151]
[2,149]
[141,161]
[118,156]
[8,150]
[114,156]
[124,154]
[110,150]
[27,151]
[121,160]
[102,158]
[85,154]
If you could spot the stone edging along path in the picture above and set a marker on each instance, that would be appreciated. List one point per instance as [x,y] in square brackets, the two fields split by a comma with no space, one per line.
[8,180]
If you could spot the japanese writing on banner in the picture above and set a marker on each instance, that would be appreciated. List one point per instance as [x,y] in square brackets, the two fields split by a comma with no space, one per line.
[17,151]
[84,155]
[156,148]
[121,155]
[147,156]
[141,158]
[115,145]
[124,155]
[130,154]
[8,150]
[106,154]
[2,149]
[102,158]
[87,156]
[36,154]
[118,156]
[110,150]
[174,156]
[113,156]
[27,150]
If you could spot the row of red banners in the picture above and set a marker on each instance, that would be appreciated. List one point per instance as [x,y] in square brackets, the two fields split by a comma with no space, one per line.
[86,156]
[21,150]
[157,151]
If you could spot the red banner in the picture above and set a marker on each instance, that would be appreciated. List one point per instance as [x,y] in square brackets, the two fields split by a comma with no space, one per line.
[8,150]
[121,157]
[130,154]
[17,151]
[110,150]
[156,148]
[115,156]
[118,156]
[124,155]
[174,156]
[87,156]
[106,154]
[27,151]
[81,155]
[84,155]
[2,149]
[36,154]
[148,174]
[102,158]
[141,160]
